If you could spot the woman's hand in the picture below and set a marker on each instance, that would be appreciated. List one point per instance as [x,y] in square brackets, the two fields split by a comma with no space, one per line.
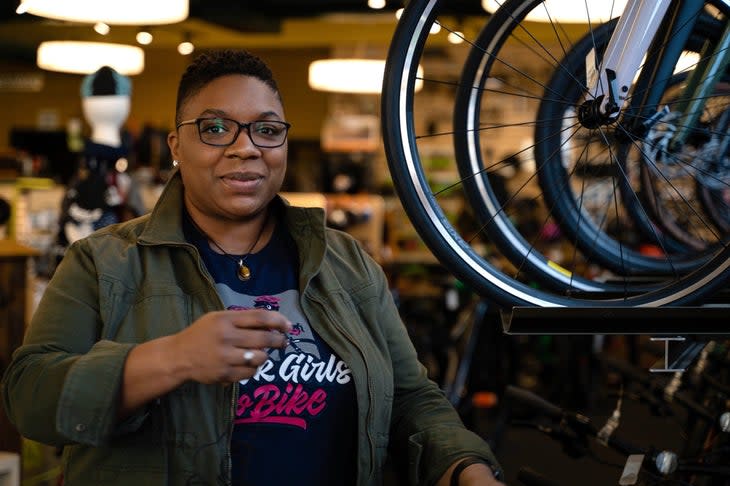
[220,347]
[478,474]
[228,346]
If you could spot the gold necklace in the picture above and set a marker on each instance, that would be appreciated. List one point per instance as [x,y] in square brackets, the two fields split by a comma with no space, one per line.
[244,271]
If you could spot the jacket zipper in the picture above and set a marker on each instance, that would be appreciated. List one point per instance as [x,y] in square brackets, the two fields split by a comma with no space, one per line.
[371,391]
[231,412]
[228,420]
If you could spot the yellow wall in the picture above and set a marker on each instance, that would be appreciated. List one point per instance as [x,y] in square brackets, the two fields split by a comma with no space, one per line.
[154,91]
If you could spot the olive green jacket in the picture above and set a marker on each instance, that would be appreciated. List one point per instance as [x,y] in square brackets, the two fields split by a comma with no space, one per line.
[139,280]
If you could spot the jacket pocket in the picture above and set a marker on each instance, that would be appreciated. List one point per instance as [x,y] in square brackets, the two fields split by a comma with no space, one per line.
[138,315]
[137,464]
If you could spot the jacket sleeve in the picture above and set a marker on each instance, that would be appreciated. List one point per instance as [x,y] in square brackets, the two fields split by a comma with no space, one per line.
[424,426]
[62,385]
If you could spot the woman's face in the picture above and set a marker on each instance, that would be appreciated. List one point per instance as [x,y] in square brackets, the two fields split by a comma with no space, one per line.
[235,182]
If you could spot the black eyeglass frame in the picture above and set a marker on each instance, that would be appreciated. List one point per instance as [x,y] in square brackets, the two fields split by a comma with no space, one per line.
[240,125]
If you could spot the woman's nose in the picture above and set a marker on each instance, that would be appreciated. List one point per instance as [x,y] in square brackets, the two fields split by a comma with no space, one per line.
[243,144]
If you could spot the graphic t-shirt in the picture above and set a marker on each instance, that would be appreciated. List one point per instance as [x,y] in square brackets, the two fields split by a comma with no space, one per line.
[295,419]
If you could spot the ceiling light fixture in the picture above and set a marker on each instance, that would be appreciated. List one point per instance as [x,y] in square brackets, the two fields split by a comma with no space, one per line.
[376,4]
[101,28]
[363,76]
[186,47]
[144,37]
[566,12]
[128,12]
[455,37]
[88,57]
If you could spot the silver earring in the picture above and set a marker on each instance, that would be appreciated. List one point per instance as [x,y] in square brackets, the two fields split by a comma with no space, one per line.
[175,163]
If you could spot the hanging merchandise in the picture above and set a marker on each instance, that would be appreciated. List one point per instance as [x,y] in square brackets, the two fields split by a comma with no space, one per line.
[100,192]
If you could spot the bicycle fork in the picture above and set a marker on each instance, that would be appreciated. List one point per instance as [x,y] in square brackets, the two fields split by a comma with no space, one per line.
[636,40]
[610,82]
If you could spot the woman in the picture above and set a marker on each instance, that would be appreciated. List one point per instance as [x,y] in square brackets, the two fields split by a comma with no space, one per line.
[228,338]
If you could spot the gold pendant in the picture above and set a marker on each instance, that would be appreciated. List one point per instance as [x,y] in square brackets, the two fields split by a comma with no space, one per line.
[244,273]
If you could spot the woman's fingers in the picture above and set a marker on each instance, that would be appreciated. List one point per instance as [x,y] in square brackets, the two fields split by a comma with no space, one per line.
[226,346]
[256,339]
[259,319]
[258,329]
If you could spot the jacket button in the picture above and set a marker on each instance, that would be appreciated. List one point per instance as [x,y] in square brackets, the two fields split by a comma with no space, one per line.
[80,427]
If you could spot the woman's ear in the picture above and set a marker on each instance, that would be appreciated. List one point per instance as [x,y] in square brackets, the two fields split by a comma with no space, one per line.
[173,142]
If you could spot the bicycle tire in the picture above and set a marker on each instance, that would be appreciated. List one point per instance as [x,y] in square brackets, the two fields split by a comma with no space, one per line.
[459,252]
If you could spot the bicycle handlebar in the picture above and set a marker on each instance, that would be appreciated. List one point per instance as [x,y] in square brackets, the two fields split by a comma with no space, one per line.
[637,375]
[534,401]
[582,426]
[579,422]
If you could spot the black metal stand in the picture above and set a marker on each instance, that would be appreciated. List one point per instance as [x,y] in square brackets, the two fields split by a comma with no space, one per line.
[687,328]
[654,321]
[454,391]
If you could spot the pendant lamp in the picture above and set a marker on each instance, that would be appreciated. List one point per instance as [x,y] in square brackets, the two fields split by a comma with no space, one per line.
[568,12]
[87,57]
[363,76]
[126,12]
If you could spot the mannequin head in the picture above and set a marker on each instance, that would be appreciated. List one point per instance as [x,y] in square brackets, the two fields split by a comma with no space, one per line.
[105,101]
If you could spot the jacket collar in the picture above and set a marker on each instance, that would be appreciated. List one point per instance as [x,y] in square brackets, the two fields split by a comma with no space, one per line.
[306,225]
[165,221]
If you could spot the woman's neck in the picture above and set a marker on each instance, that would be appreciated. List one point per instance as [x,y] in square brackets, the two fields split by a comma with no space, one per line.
[235,237]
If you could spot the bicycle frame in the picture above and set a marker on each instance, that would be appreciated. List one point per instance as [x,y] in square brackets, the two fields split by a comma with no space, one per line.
[710,68]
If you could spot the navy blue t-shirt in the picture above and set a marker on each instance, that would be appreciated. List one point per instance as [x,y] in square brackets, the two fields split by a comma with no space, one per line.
[295,419]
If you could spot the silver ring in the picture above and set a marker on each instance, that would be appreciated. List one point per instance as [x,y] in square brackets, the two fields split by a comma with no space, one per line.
[247,357]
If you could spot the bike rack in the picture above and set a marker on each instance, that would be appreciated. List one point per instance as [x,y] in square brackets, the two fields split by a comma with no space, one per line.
[690,327]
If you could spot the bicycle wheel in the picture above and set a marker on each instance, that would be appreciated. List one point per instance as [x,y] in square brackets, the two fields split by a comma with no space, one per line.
[419,139]
[663,206]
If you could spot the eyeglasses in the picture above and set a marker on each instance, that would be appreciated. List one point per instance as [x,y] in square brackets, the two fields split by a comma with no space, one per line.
[222,132]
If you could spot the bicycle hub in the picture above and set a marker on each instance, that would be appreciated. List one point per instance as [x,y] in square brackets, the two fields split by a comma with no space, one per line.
[591,116]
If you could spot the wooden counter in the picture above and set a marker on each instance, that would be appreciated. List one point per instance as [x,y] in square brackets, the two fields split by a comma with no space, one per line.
[15,289]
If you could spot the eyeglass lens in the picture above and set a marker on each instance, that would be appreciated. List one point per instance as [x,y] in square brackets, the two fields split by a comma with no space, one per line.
[222,131]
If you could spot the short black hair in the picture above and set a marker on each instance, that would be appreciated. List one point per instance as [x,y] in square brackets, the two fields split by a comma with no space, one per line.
[211,65]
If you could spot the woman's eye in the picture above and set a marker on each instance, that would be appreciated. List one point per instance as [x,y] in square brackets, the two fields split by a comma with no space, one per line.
[267,129]
[214,127]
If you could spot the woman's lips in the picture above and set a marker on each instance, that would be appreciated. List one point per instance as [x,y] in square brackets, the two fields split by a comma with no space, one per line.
[243,182]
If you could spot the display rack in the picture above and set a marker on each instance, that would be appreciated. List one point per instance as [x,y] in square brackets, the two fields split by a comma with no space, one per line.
[684,330]
[653,321]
